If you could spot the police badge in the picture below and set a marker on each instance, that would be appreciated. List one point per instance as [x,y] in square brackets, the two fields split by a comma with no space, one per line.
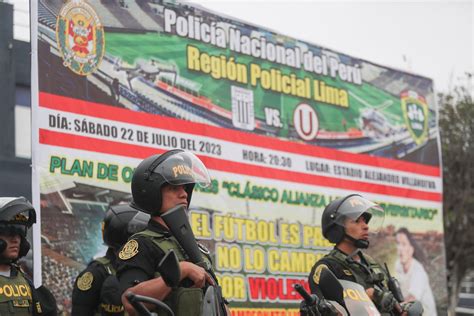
[84,283]
[80,37]
[317,273]
[129,250]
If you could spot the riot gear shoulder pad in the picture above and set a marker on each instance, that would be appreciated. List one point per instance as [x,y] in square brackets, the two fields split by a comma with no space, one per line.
[120,222]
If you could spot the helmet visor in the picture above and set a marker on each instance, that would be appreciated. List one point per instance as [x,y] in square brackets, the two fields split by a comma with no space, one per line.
[356,206]
[17,210]
[9,229]
[184,168]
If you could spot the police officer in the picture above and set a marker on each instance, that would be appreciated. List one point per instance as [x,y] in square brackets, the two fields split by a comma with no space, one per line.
[18,296]
[159,183]
[96,289]
[345,222]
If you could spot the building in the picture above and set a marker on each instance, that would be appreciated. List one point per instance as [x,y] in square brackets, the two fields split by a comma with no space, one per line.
[15,109]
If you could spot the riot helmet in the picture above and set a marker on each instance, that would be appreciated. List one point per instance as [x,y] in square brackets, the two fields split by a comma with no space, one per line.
[350,208]
[175,167]
[120,222]
[16,216]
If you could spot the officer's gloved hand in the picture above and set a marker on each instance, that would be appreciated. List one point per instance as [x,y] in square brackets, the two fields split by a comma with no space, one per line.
[306,310]
[326,308]
[413,308]
[384,300]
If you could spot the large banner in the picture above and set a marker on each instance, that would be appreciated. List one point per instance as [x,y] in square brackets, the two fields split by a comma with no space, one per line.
[283,125]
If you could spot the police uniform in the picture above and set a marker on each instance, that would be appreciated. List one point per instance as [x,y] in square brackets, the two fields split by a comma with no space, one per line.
[139,259]
[96,290]
[140,256]
[87,296]
[337,214]
[16,297]
[367,273]
[19,297]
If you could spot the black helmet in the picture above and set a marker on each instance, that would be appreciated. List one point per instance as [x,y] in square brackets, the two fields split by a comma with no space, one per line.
[121,222]
[175,167]
[350,207]
[16,216]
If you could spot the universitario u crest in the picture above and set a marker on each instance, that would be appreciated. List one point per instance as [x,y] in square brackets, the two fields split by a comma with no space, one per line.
[80,37]
[415,112]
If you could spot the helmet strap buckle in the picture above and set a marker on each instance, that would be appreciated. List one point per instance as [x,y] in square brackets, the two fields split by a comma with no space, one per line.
[358,243]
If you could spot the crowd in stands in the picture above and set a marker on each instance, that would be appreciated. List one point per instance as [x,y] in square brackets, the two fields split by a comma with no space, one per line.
[59,279]
[71,235]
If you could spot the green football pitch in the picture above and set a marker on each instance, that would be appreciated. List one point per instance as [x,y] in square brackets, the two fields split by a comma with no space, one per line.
[172,49]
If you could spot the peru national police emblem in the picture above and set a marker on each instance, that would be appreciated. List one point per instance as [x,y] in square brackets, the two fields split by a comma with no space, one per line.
[317,273]
[80,37]
[415,112]
[129,250]
[84,283]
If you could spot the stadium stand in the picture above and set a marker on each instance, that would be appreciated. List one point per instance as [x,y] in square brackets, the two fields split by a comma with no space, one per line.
[46,16]
[370,72]
[141,15]
[106,17]
[60,277]
[152,10]
[151,93]
[121,13]
[396,82]
[113,14]
[71,233]
[73,241]
[53,5]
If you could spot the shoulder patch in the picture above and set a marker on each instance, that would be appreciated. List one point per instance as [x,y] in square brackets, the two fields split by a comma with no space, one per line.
[129,250]
[84,283]
[317,273]
[347,272]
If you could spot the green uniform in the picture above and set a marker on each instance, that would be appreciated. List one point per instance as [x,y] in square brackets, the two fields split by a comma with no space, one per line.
[367,273]
[138,261]
[16,296]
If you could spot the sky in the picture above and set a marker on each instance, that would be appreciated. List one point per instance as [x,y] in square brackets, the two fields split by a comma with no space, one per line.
[434,39]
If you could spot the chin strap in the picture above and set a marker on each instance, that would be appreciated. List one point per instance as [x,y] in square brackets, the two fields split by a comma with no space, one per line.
[6,261]
[358,243]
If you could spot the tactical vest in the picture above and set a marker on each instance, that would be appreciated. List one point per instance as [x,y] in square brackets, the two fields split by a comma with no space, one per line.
[183,301]
[367,276]
[107,264]
[103,308]
[15,296]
